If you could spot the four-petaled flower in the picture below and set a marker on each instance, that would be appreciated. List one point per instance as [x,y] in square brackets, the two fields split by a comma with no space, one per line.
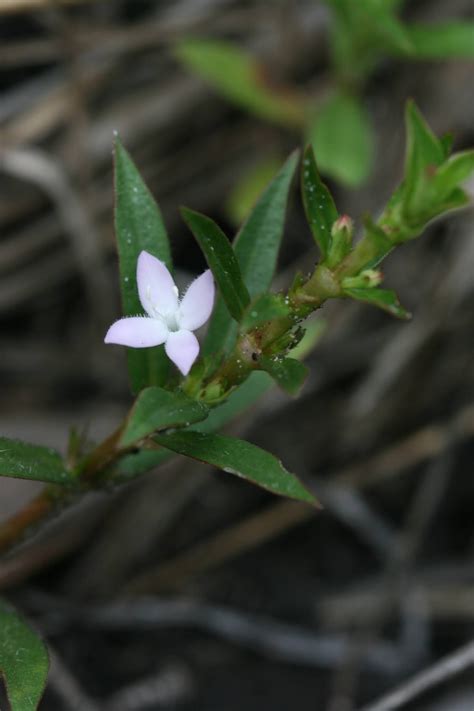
[170,320]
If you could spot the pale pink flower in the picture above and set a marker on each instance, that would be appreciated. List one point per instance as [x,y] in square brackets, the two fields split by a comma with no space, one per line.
[170,320]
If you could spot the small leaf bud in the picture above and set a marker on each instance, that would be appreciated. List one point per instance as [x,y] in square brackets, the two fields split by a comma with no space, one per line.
[367,279]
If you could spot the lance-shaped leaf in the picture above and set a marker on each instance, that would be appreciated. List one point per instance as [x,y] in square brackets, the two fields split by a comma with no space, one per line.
[23,661]
[453,172]
[138,226]
[424,153]
[319,205]
[30,461]
[288,373]
[240,78]
[221,259]
[342,139]
[256,247]
[264,308]
[238,457]
[157,409]
[385,299]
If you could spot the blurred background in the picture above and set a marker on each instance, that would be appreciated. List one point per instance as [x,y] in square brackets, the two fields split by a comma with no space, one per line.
[188,589]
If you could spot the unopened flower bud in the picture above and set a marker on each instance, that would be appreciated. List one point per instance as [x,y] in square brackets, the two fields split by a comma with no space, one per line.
[344,224]
[341,240]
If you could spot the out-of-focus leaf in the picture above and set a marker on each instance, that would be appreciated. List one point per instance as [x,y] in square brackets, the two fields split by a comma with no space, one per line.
[30,461]
[266,307]
[221,259]
[364,31]
[385,299]
[240,78]
[238,457]
[443,41]
[157,409]
[248,189]
[319,205]
[256,247]
[23,661]
[288,373]
[138,226]
[342,139]
[390,32]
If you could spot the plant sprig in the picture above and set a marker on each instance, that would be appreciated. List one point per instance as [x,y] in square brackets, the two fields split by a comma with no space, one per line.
[253,331]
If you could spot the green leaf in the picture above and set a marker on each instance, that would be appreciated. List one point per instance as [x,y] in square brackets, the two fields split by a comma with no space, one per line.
[240,78]
[238,457]
[454,171]
[138,226]
[256,385]
[157,409]
[30,461]
[447,140]
[423,148]
[132,465]
[391,33]
[319,205]
[256,247]
[23,661]
[221,259]
[362,33]
[265,308]
[442,41]
[378,240]
[385,299]
[288,373]
[258,242]
[342,139]
[431,184]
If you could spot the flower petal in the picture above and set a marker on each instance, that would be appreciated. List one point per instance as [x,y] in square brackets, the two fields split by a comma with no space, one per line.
[197,303]
[156,288]
[182,347]
[137,332]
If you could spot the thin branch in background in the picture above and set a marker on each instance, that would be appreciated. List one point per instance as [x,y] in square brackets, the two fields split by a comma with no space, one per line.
[289,643]
[35,166]
[65,686]
[424,505]
[456,663]
[169,686]
[15,6]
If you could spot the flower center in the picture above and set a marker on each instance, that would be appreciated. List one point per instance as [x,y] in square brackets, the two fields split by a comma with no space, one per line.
[171,322]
